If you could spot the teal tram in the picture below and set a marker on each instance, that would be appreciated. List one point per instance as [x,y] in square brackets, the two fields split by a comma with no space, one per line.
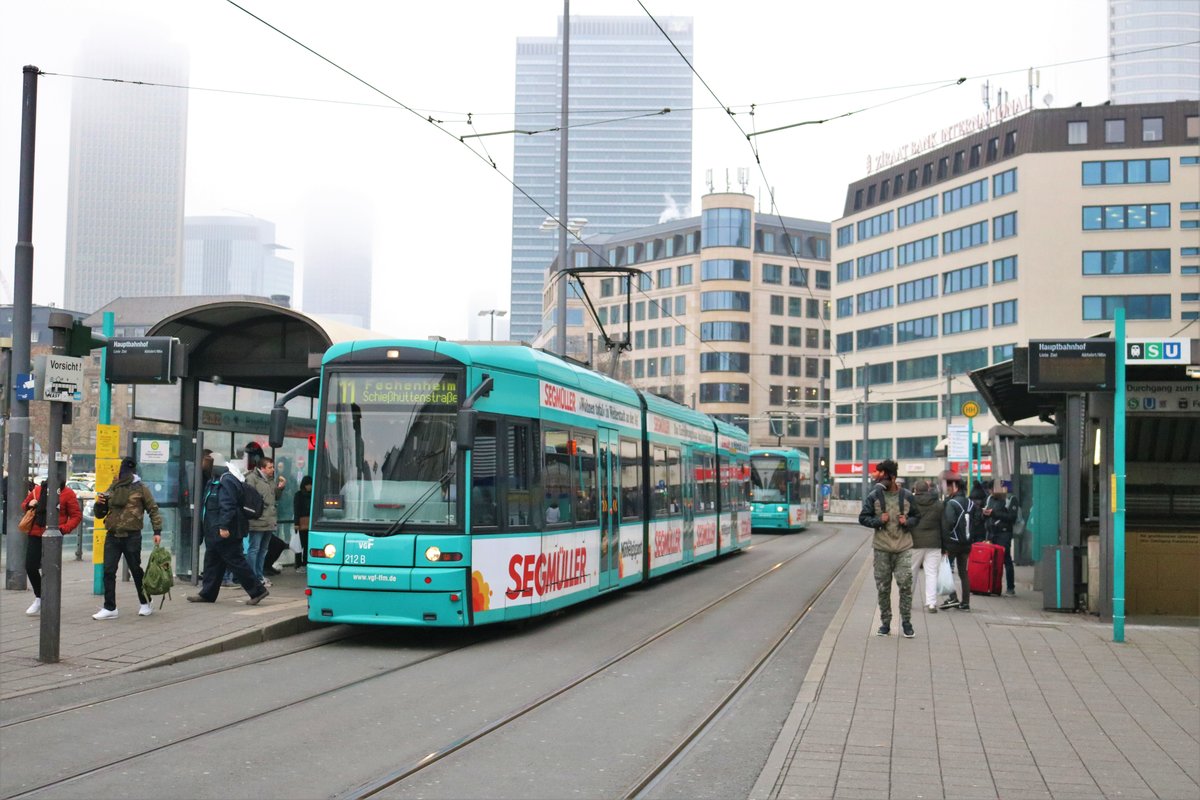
[781,486]
[460,484]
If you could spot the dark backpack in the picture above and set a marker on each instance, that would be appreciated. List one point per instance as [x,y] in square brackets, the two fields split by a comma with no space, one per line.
[962,530]
[252,501]
[212,502]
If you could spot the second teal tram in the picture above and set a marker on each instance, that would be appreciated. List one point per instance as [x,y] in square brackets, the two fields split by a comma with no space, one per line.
[459,484]
[781,489]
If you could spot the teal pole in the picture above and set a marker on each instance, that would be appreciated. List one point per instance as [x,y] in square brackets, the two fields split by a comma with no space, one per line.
[108,326]
[1118,487]
[970,452]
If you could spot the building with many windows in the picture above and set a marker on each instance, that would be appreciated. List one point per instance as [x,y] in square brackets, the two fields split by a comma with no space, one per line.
[126,178]
[1154,49]
[1036,227]
[730,315]
[234,255]
[623,174]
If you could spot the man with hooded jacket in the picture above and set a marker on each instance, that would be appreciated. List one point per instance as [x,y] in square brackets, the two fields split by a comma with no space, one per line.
[225,526]
[123,508]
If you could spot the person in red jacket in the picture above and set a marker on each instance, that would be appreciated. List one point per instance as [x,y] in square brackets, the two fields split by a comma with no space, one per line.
[69,517]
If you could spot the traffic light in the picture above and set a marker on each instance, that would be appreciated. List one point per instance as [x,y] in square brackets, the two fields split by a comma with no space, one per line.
[80,342]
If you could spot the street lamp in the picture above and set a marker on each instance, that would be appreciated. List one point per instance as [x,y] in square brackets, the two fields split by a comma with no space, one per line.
[493,313]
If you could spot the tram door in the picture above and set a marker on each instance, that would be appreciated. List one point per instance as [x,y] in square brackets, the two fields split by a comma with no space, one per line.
[609,463]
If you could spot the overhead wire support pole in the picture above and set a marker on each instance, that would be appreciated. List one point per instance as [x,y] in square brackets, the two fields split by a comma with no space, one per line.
[560,303]
[18,421]
[1118,483]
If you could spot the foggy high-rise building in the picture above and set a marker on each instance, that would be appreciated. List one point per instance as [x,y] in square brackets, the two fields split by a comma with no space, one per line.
[126,178]
[233,255]
[621,175]
[1144,67]
[337,262]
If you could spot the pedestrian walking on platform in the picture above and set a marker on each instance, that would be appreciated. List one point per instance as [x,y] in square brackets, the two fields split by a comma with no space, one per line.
[224,523]
[123,508]
[890,510]
[69,517]
[927,541]
[956,536]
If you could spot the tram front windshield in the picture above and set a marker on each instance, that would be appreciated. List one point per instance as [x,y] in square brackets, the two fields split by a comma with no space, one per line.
[387,451]
[769,479]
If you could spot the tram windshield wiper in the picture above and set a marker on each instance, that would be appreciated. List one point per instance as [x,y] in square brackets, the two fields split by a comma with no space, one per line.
[397,526]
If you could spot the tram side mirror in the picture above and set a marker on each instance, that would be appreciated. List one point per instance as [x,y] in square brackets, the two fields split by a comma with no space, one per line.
[468,418]
[279,418]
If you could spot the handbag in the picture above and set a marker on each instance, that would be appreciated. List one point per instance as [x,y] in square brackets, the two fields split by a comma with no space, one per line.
[26,523]
[945,580]
[295,543]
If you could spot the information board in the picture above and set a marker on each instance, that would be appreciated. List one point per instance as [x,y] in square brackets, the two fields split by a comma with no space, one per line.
[146,359]
[1072,365]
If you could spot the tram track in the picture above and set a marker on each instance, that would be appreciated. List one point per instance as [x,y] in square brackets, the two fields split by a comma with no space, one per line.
[659,771]
[377,786]
[12,726]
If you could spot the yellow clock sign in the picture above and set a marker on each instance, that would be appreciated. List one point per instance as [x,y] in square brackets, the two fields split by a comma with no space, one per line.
[970,409]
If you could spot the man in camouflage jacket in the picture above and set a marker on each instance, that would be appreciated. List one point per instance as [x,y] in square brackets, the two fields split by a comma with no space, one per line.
[122,508]
[891,512]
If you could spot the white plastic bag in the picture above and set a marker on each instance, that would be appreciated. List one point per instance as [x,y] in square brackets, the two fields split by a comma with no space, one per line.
[945,580]
[295,543]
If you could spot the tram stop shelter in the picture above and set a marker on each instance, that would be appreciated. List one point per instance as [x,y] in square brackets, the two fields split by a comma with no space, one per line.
[1070,502]
[241,354]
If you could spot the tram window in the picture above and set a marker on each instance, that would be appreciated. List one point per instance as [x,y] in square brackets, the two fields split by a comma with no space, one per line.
[483,476]
[706,484]
[556,477]
[519,479]
[631,480]
[659,500]
[674,481]
[585,471]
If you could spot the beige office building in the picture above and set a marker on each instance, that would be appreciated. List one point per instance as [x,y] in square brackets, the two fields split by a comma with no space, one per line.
[731,315]
[1037,226]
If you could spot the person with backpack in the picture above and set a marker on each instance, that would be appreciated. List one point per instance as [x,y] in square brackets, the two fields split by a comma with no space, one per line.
[1000,513]
[261,476]
[224,522]
[69,517]
[956,536]
[890,510]
[123,508]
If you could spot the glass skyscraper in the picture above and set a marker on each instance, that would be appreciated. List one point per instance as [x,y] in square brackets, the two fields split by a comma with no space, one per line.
[128,156]
[1142,69]
[622,175]
[234,255]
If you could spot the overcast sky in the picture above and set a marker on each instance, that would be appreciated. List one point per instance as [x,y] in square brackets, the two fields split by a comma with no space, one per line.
[441,217]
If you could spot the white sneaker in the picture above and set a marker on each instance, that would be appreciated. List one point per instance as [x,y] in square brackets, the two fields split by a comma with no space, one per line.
[35,608]
[104,613]
[145,610]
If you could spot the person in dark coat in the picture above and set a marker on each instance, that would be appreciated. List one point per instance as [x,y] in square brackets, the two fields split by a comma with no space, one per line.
[927,541]
[301,504]
[225,526]
[956,536]
[1000,512]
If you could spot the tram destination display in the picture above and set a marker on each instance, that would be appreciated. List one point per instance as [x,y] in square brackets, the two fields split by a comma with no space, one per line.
[1072,365]
[144,359]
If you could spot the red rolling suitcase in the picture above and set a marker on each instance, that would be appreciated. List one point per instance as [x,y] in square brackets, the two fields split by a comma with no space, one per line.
[985,566]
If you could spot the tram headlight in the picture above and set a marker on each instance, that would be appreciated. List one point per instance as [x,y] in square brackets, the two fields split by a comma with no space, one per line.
[780,509]
[330,551]
[433,553]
